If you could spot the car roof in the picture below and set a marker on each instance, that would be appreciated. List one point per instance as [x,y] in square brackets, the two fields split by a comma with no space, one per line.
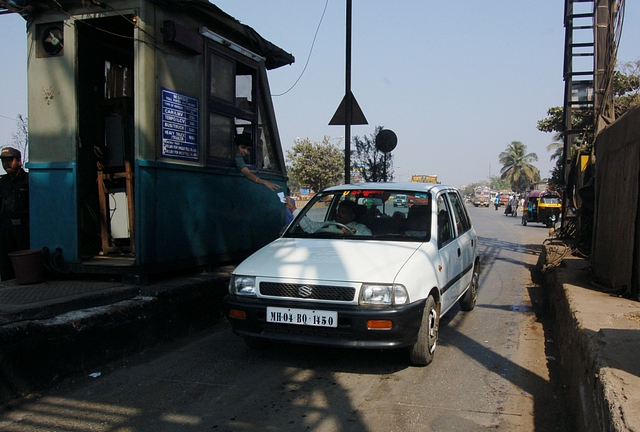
[391,186]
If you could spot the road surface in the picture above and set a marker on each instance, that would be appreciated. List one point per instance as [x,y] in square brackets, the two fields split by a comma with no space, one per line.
[493,370]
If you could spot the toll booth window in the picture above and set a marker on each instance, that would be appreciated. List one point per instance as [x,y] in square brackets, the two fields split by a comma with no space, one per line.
[244,89]
[221,137]
[221,79]
[233,113]
[265,155]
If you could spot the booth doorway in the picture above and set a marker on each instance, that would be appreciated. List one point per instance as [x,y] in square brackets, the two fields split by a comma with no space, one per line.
[106,151]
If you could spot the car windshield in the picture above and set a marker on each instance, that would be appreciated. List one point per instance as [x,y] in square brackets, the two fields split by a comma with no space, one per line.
[365,214]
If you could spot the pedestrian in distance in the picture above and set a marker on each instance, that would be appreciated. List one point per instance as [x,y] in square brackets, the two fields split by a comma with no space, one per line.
[512,206]
[243,148]
[14,210]
[507,209]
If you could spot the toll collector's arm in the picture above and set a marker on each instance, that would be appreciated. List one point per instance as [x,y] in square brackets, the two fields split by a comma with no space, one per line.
[255,179]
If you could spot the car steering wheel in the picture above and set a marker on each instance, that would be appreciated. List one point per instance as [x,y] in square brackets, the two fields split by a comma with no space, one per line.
[345,229]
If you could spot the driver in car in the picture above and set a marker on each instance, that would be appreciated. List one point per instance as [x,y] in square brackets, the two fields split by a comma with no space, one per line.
[345,219]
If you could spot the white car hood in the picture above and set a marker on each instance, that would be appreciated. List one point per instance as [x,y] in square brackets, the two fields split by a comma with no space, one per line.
[329,260]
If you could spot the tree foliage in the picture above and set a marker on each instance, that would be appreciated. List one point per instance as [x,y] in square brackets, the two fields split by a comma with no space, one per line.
[499,183]
[371,161]
[626,87]
[317,165]
[554,122]
[494,183]
[556,147]
[517,168]
[468,190]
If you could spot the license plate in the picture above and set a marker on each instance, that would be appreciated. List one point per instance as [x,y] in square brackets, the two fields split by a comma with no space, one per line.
[318,318]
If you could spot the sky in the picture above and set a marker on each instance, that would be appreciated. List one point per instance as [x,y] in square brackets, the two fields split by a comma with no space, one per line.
[457,81]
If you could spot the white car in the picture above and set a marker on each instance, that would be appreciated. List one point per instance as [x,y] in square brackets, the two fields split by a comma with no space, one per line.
[339,284]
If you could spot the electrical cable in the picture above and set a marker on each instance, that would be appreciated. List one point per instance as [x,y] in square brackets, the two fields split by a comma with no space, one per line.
[310,51]
[8,118]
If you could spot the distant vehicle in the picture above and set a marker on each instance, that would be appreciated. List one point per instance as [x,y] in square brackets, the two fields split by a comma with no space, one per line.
[542,207]
[401,201]
[481,196]
[424,178]
[330,284]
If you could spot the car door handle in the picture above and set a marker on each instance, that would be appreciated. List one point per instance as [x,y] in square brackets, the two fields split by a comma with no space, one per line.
[458,251]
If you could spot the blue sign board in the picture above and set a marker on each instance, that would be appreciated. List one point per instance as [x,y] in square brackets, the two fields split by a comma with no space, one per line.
[179,126]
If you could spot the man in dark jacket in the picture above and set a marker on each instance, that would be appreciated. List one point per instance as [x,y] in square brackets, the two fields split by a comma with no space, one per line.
[14,210]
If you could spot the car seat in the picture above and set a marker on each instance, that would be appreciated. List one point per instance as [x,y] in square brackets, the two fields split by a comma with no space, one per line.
[418,221]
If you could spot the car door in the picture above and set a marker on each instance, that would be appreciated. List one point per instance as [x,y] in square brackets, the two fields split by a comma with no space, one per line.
[465,239]
[449,252]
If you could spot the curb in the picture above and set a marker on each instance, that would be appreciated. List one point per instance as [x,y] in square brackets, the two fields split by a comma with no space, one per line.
[36,353]
[602,387]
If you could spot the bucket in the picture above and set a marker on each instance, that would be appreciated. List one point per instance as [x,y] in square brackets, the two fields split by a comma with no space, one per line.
[27,265]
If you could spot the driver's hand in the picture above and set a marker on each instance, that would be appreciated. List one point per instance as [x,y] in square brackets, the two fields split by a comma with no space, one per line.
[346,231]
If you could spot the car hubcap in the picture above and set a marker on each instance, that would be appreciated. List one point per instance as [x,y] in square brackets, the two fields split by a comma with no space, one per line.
[433,330]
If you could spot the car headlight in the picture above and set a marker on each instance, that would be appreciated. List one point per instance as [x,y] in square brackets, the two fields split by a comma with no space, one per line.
[242,285]
[383,294]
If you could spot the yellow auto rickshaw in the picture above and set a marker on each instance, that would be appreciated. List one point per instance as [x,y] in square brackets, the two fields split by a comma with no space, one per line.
[542,207]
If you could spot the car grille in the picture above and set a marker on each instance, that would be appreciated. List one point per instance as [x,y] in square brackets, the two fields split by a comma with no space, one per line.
[312,292]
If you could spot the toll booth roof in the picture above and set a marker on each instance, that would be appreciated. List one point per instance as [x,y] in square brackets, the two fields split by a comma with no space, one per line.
[209,14]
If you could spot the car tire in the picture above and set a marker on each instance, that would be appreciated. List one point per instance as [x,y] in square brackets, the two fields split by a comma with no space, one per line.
[468,300]
[255,343]
[421,354]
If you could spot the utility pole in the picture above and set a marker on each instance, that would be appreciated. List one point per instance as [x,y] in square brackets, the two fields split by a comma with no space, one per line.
[348,112]
[347,120]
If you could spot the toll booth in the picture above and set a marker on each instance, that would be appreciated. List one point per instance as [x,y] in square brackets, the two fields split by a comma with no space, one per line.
[134,107]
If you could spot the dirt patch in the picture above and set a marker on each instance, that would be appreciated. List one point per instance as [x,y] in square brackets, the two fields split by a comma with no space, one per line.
[634,316]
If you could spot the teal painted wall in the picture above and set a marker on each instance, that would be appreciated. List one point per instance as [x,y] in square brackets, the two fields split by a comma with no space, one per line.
[54,208]
[191,212]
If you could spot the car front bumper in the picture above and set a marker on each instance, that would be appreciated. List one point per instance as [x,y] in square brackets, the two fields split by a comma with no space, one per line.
[351,330]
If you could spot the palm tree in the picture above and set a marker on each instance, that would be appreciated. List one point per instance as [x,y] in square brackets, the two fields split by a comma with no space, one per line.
[557,147]
[516,166]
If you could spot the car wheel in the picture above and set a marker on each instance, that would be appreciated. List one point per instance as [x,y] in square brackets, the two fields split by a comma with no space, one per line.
[255,343]
[468,300]
[421,353]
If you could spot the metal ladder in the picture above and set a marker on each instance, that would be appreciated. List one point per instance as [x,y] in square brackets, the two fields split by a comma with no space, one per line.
[579,67]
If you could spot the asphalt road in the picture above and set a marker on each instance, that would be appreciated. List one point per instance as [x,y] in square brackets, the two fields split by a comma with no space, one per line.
[492,370]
